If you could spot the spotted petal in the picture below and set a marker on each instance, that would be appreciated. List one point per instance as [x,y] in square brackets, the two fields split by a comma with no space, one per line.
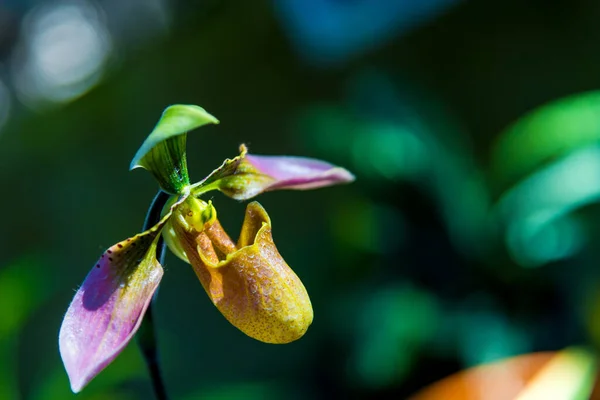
[108,308]
[251,284]
[249,175]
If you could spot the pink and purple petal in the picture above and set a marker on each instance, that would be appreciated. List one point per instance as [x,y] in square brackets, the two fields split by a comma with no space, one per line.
[246,176]
[299,172]
[108,308]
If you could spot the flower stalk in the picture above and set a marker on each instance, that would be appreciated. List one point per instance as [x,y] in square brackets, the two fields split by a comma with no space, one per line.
[146,336]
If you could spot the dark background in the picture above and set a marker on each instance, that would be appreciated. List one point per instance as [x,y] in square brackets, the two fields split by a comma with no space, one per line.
[470,234]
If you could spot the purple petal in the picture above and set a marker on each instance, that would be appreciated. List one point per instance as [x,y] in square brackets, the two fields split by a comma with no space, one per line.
[108,308]
[299,172]
[246,176]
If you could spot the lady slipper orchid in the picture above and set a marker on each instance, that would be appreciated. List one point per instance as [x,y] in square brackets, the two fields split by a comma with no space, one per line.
[248,281]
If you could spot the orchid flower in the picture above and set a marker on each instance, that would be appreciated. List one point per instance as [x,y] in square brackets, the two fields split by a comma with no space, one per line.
[248,281]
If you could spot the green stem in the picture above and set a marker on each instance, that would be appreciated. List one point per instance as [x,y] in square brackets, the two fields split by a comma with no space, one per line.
[146,336]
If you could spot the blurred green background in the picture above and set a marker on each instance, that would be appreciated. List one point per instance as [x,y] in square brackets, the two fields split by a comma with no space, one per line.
[470,234]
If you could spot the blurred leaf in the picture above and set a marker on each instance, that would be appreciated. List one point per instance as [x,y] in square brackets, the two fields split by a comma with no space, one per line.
[395,135]
[549,131]
[566,375]
[536,211]
[390,152]
[393,325]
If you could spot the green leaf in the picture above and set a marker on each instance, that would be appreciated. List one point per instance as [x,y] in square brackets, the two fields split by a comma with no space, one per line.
[163,151]
[539,212]
[547,132]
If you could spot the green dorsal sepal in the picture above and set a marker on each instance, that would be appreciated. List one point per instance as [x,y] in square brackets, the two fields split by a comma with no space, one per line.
[163,151]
